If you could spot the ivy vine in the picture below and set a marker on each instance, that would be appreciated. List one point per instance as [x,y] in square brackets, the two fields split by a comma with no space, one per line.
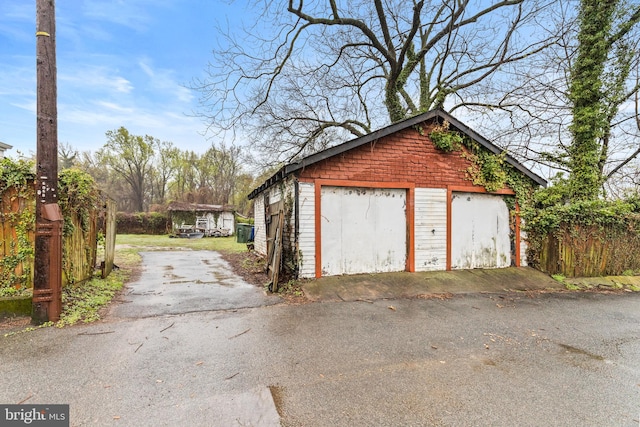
[552,211]
[17,213]
[78,200]
[78,196]
[445,139]
[485,169]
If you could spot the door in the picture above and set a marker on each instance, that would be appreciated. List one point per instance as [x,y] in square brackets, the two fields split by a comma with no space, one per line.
[479,231]
[364,230]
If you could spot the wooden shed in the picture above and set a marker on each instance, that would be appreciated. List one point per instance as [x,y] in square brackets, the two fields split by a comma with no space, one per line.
[211,220]
[393,201]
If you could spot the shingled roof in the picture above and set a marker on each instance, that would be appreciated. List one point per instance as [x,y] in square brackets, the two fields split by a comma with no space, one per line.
[195,207]
[439,115]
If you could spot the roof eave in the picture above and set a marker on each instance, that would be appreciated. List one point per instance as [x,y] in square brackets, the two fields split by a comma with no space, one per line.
[373,136]
[495,149]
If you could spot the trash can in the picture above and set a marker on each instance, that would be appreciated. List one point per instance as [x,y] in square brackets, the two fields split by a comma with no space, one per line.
[243,232]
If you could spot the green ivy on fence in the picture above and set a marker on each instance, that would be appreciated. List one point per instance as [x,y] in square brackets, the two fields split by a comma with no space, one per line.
[16,256]
[78,198]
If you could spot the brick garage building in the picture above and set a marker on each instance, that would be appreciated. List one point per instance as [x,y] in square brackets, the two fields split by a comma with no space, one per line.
[389,201]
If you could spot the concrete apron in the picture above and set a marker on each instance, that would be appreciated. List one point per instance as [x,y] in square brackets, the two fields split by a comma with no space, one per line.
[410,285]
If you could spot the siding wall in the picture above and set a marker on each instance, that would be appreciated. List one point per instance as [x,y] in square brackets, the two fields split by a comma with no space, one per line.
[220,220]
[430,229]
[227,220]
[276,194]
[260,235]
[307,230]
[260,221]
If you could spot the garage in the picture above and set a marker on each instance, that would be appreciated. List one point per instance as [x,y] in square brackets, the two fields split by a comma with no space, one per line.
[479,231]
[363,230]
[392,200]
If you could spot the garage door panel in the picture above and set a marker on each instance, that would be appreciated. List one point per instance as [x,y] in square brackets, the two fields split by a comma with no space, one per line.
[480,231]
[331,230]
[356,249]
[391,230]
[363,230]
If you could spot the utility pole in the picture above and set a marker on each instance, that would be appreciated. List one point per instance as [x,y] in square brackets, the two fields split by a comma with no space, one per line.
[47,278]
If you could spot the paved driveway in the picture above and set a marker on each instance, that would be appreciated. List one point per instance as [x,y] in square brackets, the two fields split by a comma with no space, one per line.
[467,360]
[178,282]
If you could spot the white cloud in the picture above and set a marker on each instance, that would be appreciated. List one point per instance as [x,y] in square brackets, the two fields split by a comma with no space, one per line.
[163,80]
[18,80]
[115,107]
[134,14]
[19,10]
[96,78]
[30,106]
[85,127]
[125,13]
[108,76]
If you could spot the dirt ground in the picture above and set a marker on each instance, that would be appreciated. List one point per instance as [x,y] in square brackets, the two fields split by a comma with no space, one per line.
[248,265]
[251,267]
[10,324]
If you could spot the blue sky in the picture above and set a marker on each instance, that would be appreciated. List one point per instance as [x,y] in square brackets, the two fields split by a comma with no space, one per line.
[120,63]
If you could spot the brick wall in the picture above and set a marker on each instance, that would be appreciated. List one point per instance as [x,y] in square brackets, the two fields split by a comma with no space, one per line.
[406,156]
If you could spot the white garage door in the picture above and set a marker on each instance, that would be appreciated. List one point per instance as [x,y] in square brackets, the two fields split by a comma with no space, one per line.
[364,230]
[479,231]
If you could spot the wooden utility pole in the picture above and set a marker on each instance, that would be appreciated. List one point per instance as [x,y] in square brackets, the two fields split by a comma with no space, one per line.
[47,280]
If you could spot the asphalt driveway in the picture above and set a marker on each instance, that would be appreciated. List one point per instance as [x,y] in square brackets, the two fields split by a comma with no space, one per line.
[500,359]
[179,282]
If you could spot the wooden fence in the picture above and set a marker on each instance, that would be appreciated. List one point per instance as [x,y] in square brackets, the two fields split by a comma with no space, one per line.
[17,236]
[110,209]
[80,243]
[79,247]
[590,251]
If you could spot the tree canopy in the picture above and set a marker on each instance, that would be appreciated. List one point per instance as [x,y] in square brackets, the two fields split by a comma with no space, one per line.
[329,69]
[143,172]
[574,107]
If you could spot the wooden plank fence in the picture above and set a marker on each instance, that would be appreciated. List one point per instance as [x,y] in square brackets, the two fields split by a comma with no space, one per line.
[109,236]
[80,247]
[590,251]
[17,237]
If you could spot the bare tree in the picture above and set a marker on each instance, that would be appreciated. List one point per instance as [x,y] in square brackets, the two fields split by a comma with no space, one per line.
[533,117]
[130,157]
[67,156]
[332,68]
[165,167]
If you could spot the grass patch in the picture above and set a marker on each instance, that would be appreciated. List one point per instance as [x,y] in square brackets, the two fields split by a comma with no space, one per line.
[82,302]
[291,288]
[223,244]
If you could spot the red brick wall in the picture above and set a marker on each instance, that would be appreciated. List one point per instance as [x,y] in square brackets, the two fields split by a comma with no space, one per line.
[406,156]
